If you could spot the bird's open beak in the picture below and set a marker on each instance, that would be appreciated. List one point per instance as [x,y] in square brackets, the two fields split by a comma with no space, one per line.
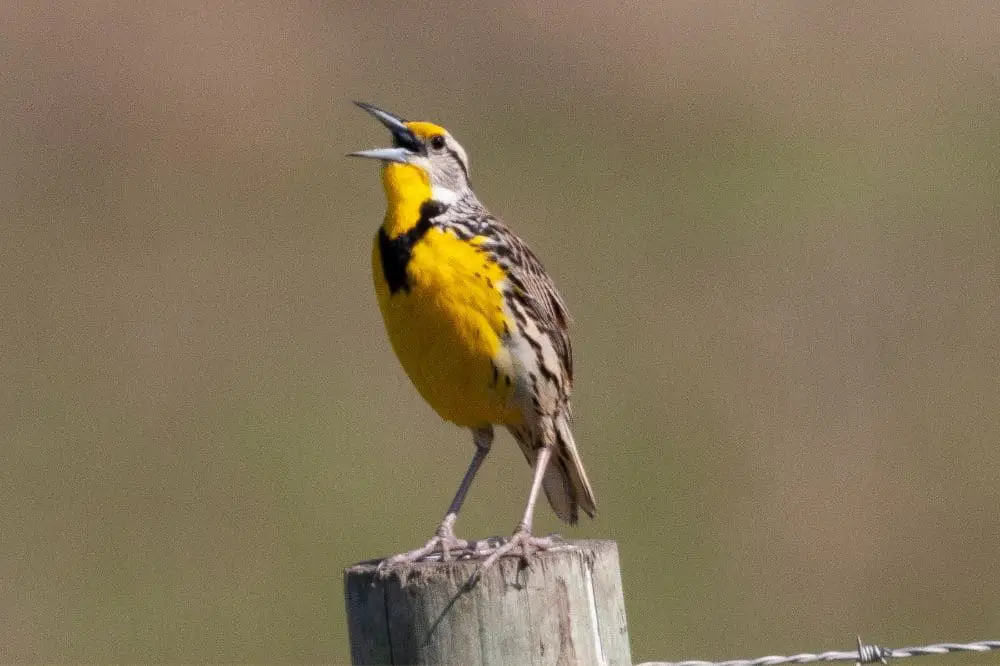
[405,144]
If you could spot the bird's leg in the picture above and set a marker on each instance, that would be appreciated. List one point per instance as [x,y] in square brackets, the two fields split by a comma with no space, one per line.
[444,539]
[522,538]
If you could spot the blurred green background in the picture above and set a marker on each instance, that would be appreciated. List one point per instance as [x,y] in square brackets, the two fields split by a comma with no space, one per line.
[775,222]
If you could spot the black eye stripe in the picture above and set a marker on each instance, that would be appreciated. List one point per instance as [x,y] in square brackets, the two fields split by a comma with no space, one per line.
[457,158]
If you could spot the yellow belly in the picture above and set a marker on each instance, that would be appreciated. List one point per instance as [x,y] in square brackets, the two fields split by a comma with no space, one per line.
[447,329]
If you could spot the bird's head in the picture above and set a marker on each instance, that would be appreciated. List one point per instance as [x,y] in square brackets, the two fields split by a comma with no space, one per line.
[420,150]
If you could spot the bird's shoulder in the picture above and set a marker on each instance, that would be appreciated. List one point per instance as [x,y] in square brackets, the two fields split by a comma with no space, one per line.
[528,283]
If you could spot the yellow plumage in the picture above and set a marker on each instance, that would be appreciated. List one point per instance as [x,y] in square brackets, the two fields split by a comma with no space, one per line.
[446,330]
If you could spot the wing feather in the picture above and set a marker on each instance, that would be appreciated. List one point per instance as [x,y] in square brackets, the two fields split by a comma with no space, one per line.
[542,299]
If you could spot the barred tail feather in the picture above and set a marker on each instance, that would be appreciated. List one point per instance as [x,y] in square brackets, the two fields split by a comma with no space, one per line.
[565,482]
[570,488]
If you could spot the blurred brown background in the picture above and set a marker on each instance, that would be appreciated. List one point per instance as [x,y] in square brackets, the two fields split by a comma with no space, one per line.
[776,225]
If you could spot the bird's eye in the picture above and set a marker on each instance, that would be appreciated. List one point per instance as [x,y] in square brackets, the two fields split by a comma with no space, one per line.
[437,141]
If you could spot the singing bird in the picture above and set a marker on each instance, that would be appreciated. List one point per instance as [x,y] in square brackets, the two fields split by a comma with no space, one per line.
[477,324]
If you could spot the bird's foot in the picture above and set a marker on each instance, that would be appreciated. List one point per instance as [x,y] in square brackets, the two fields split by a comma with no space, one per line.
[522,544]
[443,544]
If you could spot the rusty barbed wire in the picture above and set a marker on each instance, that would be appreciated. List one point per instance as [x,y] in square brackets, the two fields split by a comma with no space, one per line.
[863,654]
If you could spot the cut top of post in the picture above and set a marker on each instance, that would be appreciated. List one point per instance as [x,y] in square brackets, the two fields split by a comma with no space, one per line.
[566,607]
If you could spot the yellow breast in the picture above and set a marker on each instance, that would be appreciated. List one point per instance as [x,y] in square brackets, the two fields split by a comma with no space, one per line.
[446,326]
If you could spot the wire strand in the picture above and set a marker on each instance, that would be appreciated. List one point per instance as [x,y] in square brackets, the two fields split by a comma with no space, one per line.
[863,654]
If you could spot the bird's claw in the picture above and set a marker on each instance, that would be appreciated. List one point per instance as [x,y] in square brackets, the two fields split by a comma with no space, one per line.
[522,543]
[443,545]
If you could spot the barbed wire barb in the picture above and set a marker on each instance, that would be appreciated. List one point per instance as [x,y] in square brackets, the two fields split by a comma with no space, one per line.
[869,654]
[864,654]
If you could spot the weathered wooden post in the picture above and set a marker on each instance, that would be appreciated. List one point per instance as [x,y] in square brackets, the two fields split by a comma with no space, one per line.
[566,608]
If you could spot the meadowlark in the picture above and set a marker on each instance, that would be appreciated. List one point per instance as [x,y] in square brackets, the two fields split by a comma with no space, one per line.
[478,326]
